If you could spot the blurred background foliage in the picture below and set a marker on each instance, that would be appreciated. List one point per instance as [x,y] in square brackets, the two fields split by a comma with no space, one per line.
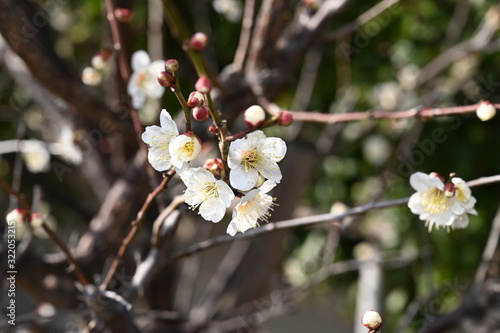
[379,73]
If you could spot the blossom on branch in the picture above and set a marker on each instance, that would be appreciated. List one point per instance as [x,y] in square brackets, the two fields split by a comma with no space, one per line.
[251,208]
[143,82]
[253,156]
[441,204]
[159,139]
[184,148]
[209,195]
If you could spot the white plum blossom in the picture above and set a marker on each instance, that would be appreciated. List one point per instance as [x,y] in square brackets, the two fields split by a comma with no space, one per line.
[253,156]
[184,148]
[159,139]
[143,82]
[441,204]
[211,196]
[253,206]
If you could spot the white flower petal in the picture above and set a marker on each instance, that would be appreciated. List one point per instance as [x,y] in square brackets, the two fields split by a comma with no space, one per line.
[140,59]
[242,179]
[421,181]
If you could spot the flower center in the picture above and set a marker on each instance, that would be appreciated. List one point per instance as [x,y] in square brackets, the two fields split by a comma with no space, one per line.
[251,159]
[187,150]
[140,78]
[210,190]
[434,201]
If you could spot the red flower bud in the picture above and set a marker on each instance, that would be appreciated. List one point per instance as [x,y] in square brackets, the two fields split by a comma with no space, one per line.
[198,41]
[165,79]
[285,119]
[201,113]
[449,190]
[171,65]
[215,166]
[123,15]
[195,99]
[203,85]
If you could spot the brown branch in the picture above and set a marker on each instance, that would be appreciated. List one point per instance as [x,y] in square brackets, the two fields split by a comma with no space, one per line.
[488,253]
[245,34]
[412,113]
[135,228]
[36,50]
[78,272]
[361,20]
[307,221]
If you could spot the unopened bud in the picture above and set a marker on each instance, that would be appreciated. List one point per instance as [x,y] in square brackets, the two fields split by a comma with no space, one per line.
[171,65]
[91,77]
[201,113]
[254,116]
[213,129]
[100,60]
[449,190]
[123,15]
[371,320]
[198,41]
[437,175]
[195,99]
[486,111]
[203,85]
[16,216]
[215,166]
[36,220]
[285,119]
[165,79]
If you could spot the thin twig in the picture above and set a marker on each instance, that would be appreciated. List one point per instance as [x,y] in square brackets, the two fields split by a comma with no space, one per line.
[245,34]
[78,272]
[412,113]
[135,228]
[306,221]
[488,253]
[360,20]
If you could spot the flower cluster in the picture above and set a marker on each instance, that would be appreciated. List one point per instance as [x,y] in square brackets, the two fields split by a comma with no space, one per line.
[439,203]
[251,161]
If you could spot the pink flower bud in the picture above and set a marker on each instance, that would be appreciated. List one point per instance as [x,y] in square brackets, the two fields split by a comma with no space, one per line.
[171,65]
[449,190]
[195,99]
[285,119]
[254,116]
[486,111]
[371,320]
[213,129]
[201,113]
[198,41]
[123,15]
[165,79]
[203,85]
[215,166]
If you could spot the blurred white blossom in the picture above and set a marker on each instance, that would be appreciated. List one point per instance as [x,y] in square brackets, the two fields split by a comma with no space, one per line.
[143,82]
[230,9]
[35,155]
